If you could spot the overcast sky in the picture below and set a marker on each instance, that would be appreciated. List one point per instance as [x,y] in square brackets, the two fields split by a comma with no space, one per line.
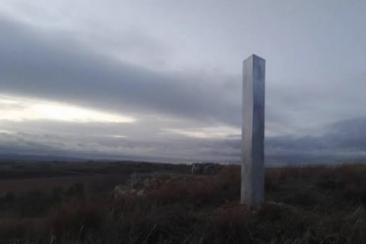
[161,79]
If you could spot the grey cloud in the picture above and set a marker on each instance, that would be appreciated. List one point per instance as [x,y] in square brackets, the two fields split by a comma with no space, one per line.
[98,147]
[348,135]
[340,141]
[46,65]
[315,76]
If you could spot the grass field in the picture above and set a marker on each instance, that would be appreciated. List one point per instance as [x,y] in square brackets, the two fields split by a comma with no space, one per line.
[129,202]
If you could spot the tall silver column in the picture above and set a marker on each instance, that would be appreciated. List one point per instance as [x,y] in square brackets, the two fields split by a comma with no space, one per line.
[252,169]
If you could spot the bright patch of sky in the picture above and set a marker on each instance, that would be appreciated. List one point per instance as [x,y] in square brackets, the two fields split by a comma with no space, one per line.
[19,109]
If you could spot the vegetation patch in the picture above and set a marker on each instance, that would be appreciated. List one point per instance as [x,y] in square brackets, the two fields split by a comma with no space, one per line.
[166,204]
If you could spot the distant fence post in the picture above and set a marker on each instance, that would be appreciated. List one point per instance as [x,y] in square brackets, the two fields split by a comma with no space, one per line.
[252,168]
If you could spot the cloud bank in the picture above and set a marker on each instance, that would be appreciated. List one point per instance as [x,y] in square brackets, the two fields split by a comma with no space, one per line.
[105,83]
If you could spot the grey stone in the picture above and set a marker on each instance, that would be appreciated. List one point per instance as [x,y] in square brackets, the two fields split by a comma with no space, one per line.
[205,168]
[252,169]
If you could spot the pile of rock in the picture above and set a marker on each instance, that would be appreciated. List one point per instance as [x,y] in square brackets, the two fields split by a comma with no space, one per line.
[205,168]
[139,184]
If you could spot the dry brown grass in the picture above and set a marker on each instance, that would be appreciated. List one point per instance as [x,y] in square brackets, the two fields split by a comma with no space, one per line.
[304,205]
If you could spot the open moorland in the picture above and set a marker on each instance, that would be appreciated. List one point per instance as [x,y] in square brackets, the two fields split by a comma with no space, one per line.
[131,202]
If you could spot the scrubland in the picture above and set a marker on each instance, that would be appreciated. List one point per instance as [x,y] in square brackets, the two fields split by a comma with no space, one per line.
[131,202]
